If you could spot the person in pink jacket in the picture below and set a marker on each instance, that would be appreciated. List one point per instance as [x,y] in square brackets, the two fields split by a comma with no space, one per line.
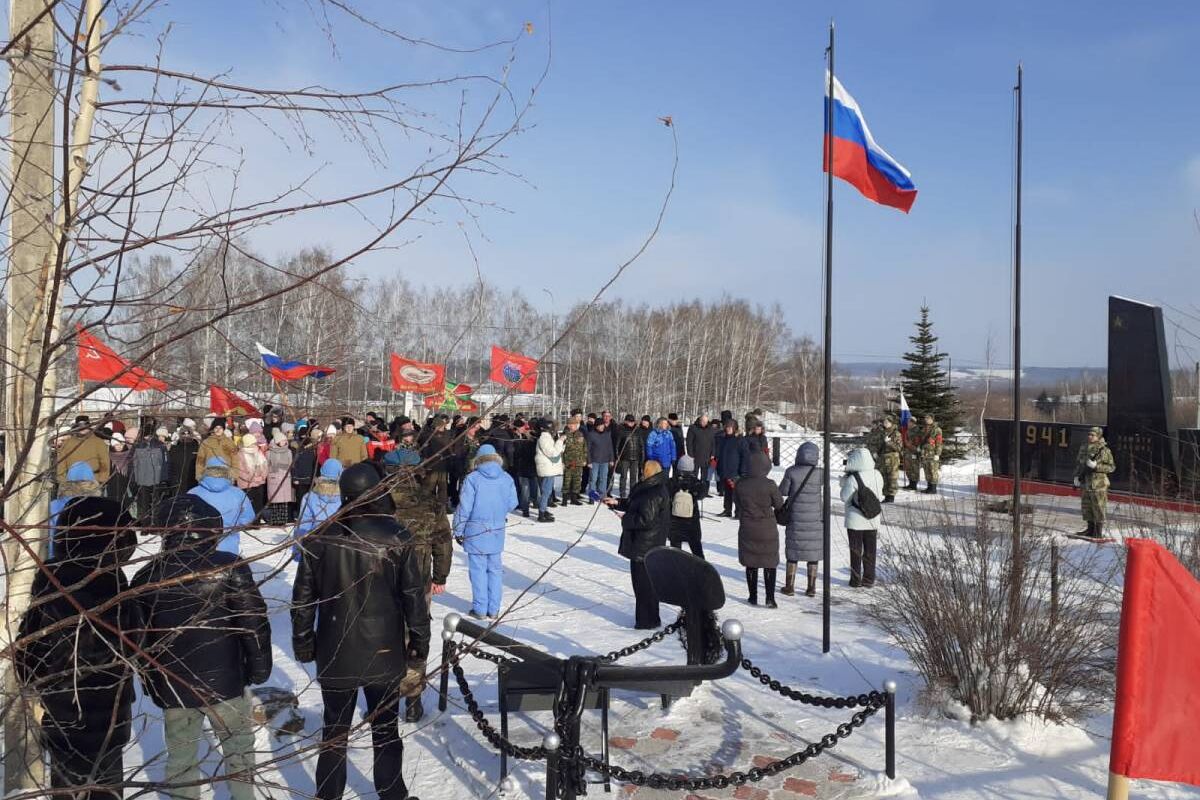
[252,473]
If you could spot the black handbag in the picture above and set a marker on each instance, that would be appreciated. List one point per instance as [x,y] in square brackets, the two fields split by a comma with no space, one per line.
[784,512]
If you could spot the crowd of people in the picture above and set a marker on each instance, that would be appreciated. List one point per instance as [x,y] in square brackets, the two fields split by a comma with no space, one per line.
[374,509]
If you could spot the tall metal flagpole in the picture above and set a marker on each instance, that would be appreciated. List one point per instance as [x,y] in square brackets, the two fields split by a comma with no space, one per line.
[1017,566]
[828,403]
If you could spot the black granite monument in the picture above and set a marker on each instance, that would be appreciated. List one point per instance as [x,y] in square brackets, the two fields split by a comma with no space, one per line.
[1145,447]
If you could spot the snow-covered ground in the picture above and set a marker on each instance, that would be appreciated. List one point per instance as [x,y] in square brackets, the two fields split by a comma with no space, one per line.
[585,605]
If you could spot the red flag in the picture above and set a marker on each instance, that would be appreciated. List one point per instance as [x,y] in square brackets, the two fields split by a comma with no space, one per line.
[1158,693]
[514,370]
[97,362]
[416,376]
[223,402]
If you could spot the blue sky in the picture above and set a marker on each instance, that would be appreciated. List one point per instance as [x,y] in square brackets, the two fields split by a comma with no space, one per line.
[1112,154]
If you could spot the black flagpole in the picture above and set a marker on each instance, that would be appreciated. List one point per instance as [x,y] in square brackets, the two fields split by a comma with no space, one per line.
[827,416]
[1016,430]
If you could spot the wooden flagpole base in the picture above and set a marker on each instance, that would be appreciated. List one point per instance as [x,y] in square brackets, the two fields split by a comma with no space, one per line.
[1118,787]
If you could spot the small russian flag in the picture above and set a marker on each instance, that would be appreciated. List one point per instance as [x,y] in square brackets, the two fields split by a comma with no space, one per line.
[857,157]
[905,414]
[290,370]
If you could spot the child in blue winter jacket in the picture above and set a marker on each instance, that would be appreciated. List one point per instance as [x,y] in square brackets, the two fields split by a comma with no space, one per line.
[486,497]
[320,503]
[216,488]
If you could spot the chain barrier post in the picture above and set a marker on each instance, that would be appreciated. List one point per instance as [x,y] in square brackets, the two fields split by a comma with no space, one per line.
[447,655]
[551,743]
[889,727]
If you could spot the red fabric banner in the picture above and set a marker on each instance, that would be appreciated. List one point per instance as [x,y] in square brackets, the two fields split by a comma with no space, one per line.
[223,402]
[1157,711]
[417,376]
[97,362]
[514,370]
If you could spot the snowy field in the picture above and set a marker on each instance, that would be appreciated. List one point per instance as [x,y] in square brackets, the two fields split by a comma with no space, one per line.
[585,605]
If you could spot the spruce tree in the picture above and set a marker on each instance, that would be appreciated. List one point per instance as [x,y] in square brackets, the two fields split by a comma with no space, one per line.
[927,385]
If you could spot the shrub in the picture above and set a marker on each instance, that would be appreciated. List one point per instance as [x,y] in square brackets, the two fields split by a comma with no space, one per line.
[952,607]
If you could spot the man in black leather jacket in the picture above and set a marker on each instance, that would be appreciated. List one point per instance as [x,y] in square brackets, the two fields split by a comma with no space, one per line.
[208,638]
[359,611]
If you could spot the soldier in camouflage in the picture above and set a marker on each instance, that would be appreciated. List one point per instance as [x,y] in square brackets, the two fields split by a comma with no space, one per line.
[931,453]
[423,514]
[1092,468]
[912,457]
[575,458]
[887,459]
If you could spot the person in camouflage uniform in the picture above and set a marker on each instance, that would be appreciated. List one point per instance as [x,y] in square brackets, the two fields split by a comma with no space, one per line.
[931,453]
[887,459]
[423,514]
[1092,468]
[575,458]
[912,457]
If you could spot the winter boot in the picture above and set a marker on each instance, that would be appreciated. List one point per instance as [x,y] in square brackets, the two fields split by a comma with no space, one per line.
[1090,530]
[575,501]
[769,579]
[752,585]
[811,590]
[414,710]
[545,516]
[931,489]
[889,498]
[1098,530]
[789,580]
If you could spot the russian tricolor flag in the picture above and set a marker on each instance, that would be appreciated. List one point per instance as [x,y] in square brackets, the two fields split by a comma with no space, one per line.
[290,370]
[858,159]
[905,414]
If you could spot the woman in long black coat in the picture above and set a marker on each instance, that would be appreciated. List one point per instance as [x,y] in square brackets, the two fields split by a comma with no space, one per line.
[81,669]
[758,533]
[645,525]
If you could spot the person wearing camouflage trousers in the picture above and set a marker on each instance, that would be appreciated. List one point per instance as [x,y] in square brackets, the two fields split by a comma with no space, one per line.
[912,457]
[887,459]
[1092,468]
[575,458]
[931,454]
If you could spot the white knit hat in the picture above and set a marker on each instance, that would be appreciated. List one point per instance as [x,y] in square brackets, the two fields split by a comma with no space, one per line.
[189,423]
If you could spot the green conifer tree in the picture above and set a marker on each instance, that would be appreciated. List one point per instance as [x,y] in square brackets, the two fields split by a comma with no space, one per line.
[927,385]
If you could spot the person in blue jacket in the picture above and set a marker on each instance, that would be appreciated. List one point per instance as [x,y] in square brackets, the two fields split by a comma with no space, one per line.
[487,495]
[319,503]
[80,482]
[660,445]
[730,454]
[216,488]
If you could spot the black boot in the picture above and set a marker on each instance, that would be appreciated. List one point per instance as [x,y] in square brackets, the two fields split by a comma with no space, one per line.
[1098,530]
[789,579]
[811,591]
[931,489]
[545,516]
[752,585]
[1090,530]
[889,498]
[575,501]
[769,579]
[414,710]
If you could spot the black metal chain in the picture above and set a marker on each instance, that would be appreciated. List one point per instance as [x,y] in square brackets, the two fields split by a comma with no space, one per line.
[490,733]
[871,700]
[652,639]
[498,660]
[679,783]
